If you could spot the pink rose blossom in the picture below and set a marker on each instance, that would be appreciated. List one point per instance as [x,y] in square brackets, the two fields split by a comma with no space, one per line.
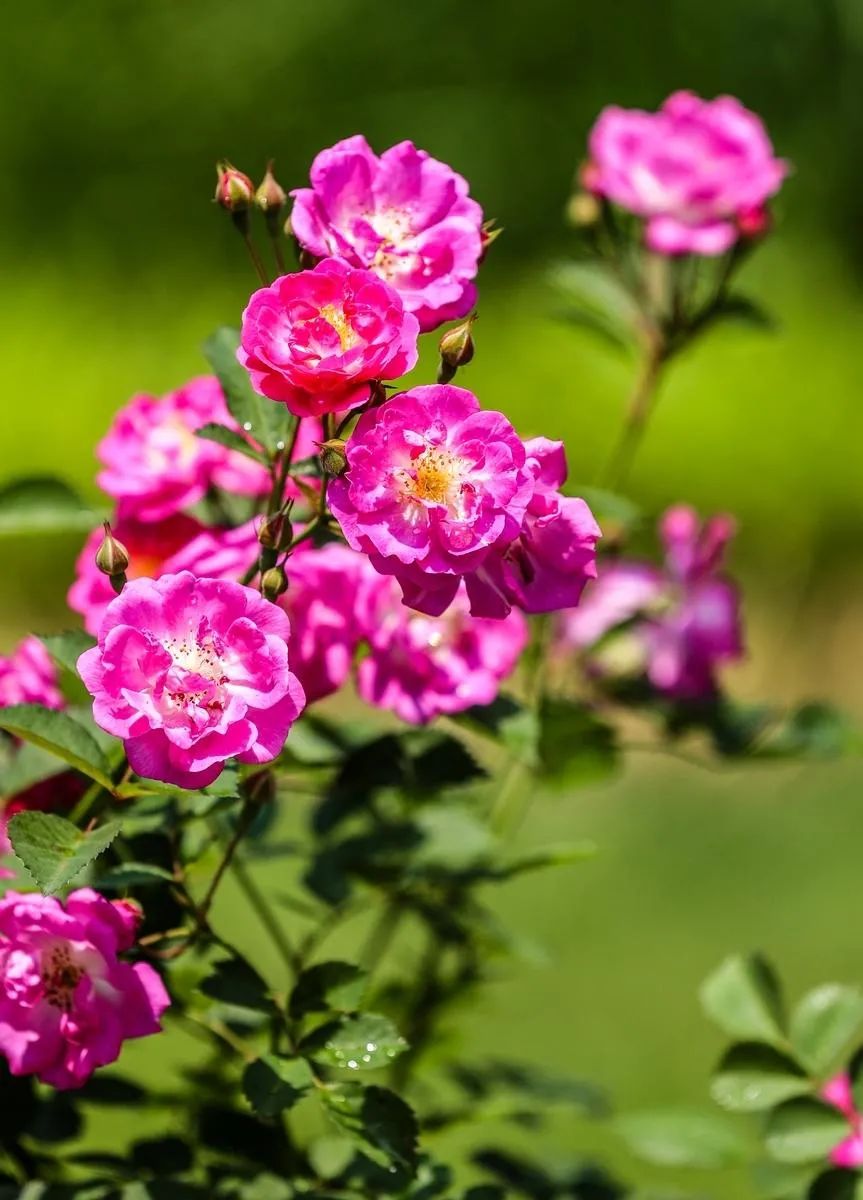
[696,171]
[28,676]
[218,553]
[420,667]
[849,1152]
[189,673]
[322,601]
[404,215]
[155,462]
[681,620]
[433,484]
[151,546]
[67,1001]
[317,339]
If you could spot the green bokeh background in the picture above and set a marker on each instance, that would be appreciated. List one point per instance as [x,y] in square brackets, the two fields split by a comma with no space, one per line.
[115,266]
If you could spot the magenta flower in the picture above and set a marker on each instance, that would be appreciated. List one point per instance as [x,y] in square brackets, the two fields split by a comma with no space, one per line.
[189,673]
[151,546]
[322,602]
[28,676]
[67,1001]
[155,463]
[682,621]
[420,667]
[433,484]
[698,171]
[404,215]
[849,1152]
[317,339]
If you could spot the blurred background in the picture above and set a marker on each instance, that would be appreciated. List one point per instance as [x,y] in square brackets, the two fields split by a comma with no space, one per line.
[115,265]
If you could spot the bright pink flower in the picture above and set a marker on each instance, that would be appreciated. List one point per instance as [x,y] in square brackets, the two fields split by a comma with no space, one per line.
[67,1001]
[316,339]
[151,546]
[420,667]
[28,676]
[692,170]
[218,553]
[404,215]
[191,672]
[682,620]
[433,484]
[155,462]
[849,1152]
[322,601]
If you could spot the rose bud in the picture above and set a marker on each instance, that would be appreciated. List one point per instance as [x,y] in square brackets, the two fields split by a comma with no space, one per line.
[112,559]
[274,583]
[234,190]
[334,461]
[456,350]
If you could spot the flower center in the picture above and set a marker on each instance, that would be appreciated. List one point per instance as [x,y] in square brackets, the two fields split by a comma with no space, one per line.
[60,976]
[434,479]
[334,315]
[198,673]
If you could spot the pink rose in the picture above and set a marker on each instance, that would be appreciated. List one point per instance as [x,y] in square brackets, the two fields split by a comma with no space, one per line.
[151,546]
[433,484]
[420,667]
[67,1001]
[155,463]
[321,601]
[698,171]
[317,339]
[404,215]
[28,676]
[849,1152]
[189,673]
[682,620]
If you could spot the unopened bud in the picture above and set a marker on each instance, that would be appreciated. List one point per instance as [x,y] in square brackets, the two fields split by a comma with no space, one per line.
[456,350]
[270,197]
[754,222]
[334,460]
[234,190]
[112,559]
[274,583]
[490,233]
[583,210]
[276,532]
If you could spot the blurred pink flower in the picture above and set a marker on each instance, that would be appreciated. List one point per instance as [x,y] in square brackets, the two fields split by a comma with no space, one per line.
[849,1152]
[681,620]
[404,215]
[155,463]
[191,672]
[698,171]
[420,667]
[67,1001]
[28,676]
[317,339]
[433,485]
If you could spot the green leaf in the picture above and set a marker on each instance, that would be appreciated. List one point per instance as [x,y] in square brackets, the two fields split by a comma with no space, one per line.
[739,308]
[43,505]
[265,420]
[811,731]
[22,766]
[272,1084]
[836,1184]
[508,722]
[133,874]
[752,1076]
[594,298]
[366,1042]
[682,1138]
[61,735]
[575,745]
[235,981]
[804,1130]
[563,854]
[328,987]
[53,849]
[823,1023]
[743,997]
[379,1120]
[453,838]
[67,647]
[232,441]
